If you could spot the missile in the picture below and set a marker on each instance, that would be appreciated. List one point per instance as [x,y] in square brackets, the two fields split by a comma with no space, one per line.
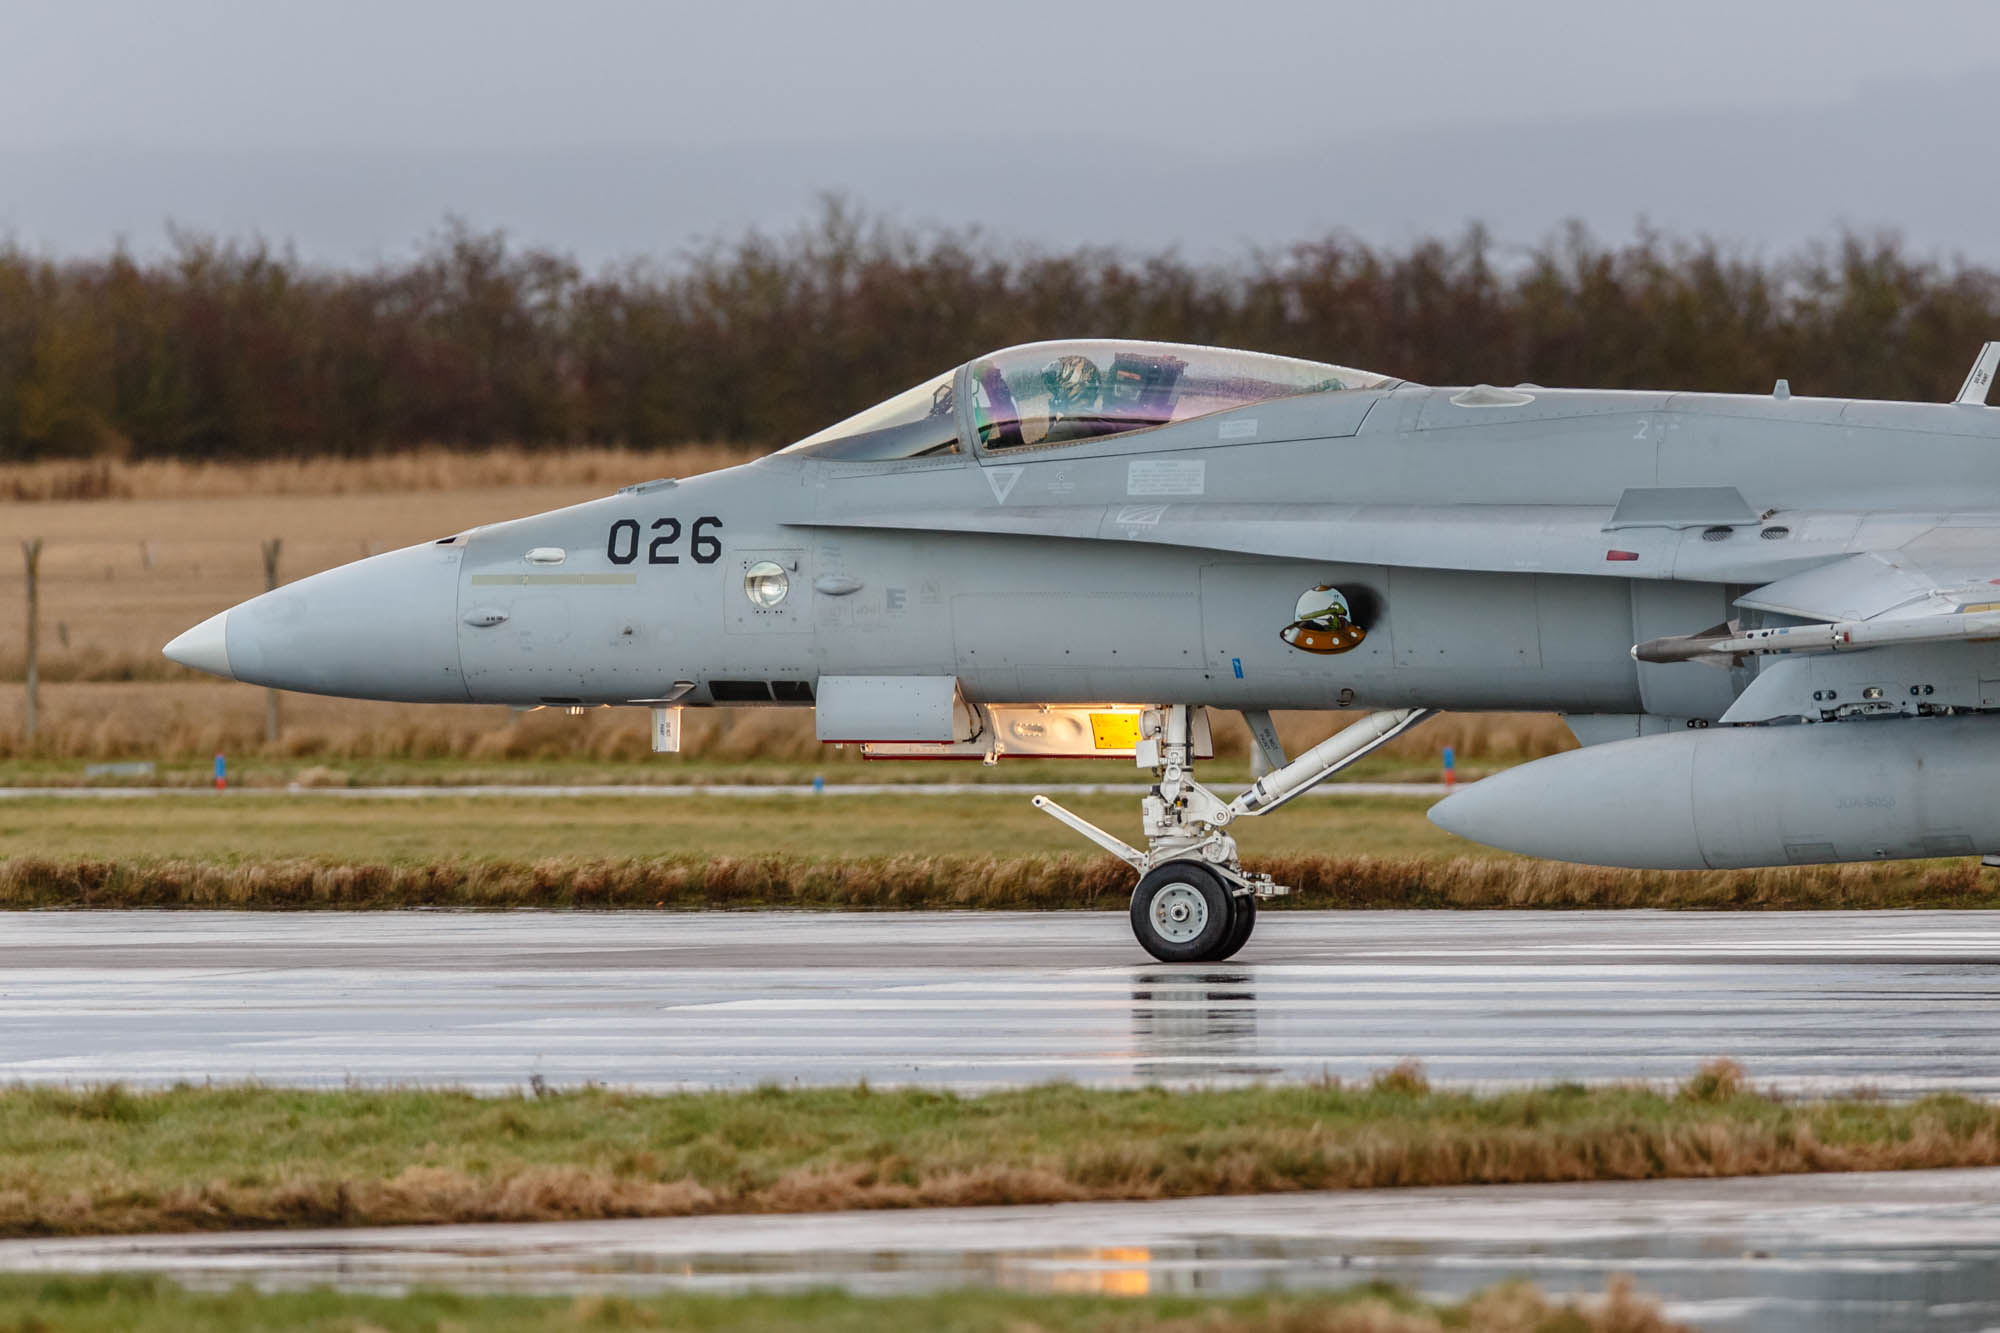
[1720,798]
[1840,636]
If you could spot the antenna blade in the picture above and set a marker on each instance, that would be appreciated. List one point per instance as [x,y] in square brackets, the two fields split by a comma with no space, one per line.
[1980,381]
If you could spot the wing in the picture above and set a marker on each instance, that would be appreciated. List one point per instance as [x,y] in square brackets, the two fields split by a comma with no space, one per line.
[1946,570]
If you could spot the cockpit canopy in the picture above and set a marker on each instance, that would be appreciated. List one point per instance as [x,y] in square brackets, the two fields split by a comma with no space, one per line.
[1054,393]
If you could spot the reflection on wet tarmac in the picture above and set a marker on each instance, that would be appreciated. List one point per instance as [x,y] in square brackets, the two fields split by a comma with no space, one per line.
[1706,1277]
[1196,1025]
[1703,1282]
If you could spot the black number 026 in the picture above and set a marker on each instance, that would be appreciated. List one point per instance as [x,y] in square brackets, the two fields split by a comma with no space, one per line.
[621,545]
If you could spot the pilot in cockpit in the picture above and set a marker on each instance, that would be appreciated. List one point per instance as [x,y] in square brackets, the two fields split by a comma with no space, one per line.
[1076,389]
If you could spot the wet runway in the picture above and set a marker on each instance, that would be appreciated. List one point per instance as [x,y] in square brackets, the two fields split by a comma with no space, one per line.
[1902,1001]
[1910,1250]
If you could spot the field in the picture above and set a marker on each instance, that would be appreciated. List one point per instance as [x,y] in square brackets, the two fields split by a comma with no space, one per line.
[147,1304]
[107,1159]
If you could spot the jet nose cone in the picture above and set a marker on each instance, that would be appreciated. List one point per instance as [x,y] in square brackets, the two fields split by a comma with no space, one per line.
[381,628]
[205,647]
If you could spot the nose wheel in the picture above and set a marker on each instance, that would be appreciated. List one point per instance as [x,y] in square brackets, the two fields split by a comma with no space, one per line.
[1183,912]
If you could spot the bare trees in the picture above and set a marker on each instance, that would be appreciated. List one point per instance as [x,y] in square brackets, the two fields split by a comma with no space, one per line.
[226,350]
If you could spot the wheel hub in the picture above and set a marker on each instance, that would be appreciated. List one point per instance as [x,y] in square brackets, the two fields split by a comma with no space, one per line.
[1180,913]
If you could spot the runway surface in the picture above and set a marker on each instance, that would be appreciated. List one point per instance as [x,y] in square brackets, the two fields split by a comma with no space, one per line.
[1902,1001]
[1434,790]
[1857,1252]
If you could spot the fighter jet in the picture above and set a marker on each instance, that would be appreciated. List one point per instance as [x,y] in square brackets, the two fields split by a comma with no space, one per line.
[1772,622]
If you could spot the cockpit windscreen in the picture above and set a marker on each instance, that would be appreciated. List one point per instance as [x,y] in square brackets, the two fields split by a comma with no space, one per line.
[917,423]
[1052,393]
[1055,393]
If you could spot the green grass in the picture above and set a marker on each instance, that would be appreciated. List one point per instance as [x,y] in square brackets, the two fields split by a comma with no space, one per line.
[142,1304]
[242,827]
[265,772]
[191,1158]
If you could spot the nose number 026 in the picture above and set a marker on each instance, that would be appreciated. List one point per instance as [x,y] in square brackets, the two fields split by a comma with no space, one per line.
[621,545]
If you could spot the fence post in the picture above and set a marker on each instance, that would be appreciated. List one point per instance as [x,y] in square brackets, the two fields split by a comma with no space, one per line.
[31,551]
[271,722]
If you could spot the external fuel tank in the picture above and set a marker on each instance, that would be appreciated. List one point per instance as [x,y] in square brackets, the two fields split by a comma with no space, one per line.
[1731,797]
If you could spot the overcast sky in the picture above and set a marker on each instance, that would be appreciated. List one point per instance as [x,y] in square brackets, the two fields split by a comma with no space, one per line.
[613,129]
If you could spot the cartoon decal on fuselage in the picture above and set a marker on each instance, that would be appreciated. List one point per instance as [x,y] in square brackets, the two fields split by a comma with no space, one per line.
[1325,624]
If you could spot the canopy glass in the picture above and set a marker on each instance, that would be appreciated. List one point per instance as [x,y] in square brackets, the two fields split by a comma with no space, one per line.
[1054,393]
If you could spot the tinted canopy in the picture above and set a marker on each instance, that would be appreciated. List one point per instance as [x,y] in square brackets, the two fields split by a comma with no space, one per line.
[1054,393]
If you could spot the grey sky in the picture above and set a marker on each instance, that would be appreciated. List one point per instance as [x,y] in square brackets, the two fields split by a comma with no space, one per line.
[619,128]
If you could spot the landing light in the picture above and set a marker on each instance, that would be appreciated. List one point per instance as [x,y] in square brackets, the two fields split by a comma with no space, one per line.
[765,584]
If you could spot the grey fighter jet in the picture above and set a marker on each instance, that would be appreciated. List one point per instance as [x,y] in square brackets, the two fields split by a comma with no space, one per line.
[1773,622]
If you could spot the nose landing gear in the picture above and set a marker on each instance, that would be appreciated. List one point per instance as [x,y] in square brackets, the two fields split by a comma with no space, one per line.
[1195,903]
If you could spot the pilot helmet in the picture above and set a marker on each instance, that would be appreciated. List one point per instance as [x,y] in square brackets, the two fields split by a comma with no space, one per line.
[1072,382]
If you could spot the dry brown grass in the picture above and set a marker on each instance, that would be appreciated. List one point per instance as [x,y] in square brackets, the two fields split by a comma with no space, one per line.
[430,468]
[1066,882]
[190,719]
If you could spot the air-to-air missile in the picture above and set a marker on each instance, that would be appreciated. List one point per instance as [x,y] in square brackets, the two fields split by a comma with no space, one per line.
[1773,622]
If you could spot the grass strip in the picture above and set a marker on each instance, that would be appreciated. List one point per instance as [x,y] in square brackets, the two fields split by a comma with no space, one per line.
[964,882]
[247,827]
[107,1159]
[142,1304]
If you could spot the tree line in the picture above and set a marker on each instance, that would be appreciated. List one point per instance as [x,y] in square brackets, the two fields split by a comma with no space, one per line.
[221,349]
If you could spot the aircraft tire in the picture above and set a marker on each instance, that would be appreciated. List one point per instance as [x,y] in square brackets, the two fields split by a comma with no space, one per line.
[1242,922]
[1182,912]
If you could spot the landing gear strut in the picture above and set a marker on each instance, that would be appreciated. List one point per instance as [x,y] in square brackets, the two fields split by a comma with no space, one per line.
[1195,902]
